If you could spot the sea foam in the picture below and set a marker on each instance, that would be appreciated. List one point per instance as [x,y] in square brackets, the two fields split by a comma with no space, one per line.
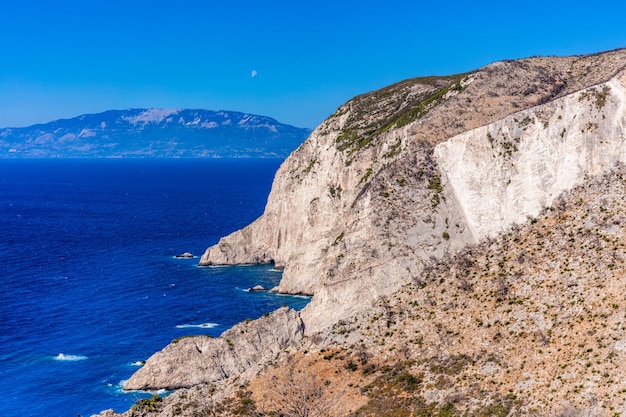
[69,358]
[197,326]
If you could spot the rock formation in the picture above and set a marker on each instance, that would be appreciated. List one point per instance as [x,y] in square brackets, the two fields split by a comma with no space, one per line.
[424,167]
[373,216]
[195,360]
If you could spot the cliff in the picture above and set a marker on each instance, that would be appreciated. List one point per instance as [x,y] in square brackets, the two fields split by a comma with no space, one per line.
[463,240]
[198,360]
[530,322]
[425,167]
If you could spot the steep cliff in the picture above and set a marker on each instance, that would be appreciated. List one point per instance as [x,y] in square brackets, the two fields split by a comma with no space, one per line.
[530,322]
[424,167]
[399,214]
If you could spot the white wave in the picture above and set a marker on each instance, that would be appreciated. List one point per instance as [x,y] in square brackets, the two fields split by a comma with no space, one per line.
[306,297]
[69,358]
[197,326]
[120,389]
[138,363]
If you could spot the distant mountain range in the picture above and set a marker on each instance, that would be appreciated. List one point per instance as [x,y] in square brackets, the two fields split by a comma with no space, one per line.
[155,133]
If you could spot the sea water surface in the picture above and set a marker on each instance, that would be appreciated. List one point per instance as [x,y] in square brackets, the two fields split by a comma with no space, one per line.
[89,283]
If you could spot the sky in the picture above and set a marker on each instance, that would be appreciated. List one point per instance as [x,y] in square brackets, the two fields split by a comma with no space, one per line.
[295,61]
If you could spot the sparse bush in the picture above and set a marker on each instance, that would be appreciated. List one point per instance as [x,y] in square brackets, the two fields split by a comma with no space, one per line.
[300,394]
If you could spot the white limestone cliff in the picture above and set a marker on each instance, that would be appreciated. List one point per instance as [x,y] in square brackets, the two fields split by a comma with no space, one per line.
[402,176]
[510,170]
[352,225]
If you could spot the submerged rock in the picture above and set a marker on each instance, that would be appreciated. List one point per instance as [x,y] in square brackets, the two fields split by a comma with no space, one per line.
[186,255]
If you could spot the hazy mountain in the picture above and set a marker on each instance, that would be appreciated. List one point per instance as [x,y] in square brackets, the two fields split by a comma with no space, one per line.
[155,133]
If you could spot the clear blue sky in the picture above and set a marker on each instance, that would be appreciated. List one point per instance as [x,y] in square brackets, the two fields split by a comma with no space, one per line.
[60,59]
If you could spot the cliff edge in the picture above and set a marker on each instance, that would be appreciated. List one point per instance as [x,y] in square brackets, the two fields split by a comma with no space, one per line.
[406,216]
[422,168]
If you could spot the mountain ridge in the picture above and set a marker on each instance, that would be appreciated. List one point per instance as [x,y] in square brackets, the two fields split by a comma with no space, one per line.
[154,132]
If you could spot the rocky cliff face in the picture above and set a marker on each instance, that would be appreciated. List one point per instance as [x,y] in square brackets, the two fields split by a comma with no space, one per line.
[422,168]
[530,322]
[198,360]
[507,171]
[374,213]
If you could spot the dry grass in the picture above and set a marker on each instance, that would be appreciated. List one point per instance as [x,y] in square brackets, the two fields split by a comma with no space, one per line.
[537,314]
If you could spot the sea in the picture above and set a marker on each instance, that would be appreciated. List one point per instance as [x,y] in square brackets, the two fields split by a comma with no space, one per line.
[89,283]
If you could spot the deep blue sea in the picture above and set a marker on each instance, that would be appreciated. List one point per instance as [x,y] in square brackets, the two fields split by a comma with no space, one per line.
[89,283]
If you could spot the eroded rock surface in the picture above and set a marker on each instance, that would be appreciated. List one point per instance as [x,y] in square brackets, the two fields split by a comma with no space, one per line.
[424,167]
[240,350]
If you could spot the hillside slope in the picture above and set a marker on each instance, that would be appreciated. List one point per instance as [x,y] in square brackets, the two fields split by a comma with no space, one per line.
[536,314]
[530,322]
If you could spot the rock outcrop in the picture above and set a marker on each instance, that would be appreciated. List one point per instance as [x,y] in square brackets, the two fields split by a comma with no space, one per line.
[422,168]
[507,171]
[529,322]
[242,349]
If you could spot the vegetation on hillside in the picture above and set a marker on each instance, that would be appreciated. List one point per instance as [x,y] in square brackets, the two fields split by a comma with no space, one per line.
[394,106]
[529,323]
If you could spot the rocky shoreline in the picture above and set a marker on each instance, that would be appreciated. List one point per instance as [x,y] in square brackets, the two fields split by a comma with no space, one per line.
[239,351]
